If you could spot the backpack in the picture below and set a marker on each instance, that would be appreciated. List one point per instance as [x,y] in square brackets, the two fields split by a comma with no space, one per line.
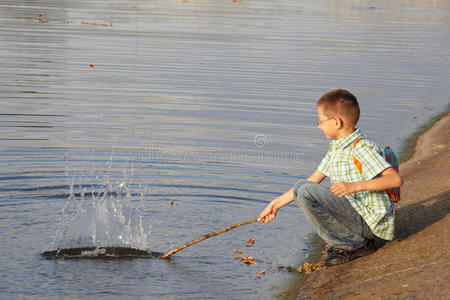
[389,155]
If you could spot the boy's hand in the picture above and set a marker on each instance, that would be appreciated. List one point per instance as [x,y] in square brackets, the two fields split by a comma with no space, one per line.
[343,188]
[268,213]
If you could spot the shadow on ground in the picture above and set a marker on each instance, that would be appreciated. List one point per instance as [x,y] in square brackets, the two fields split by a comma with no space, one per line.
[415,217]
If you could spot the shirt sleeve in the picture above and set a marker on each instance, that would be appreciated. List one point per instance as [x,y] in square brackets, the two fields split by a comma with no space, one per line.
[371,158]
[324,165]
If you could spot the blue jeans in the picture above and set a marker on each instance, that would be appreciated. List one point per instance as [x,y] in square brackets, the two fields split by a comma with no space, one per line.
[333,218]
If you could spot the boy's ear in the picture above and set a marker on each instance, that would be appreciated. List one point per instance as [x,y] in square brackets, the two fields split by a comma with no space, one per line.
[339,122]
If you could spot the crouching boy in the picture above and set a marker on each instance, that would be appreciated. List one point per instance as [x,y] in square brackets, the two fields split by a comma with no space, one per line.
[356,209]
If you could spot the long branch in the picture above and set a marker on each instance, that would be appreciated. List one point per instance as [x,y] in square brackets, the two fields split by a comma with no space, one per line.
[207,236]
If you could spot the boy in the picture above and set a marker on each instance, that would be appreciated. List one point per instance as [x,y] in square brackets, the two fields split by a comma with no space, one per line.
[356,209]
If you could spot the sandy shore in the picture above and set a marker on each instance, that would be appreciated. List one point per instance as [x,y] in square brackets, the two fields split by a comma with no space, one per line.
[417,264]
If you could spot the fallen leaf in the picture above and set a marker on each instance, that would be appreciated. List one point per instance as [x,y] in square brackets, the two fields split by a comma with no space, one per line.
[252,241]
[92,65]
[249,245]
[134,6]
[263,272]
[238,251]
[39,15]
[105,25]
[185,0]
[247,258]
[249,262]
[44,21]
[309,268]
[94,23]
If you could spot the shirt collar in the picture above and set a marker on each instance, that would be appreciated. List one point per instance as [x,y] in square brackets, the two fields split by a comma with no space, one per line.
[346,140]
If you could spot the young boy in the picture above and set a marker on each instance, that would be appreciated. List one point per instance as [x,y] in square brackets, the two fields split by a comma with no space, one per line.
[356,209]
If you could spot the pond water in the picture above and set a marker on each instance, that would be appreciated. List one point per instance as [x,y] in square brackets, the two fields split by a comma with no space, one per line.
[210,104]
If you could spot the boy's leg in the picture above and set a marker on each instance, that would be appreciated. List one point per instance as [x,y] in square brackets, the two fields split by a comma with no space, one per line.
[333,218]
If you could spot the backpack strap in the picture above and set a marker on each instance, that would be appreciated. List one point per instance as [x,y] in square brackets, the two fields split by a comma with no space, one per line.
[355,160]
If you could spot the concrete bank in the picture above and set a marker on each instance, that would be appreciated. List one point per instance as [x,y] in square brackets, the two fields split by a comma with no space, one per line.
[417,264]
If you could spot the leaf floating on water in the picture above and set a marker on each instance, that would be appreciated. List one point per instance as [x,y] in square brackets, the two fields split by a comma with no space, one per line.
[43,21]
[134,6]
[238,251]
[263,272]
[248,260]
[39,15]
[251,241]
[249,245]
[244,258]
[92,65]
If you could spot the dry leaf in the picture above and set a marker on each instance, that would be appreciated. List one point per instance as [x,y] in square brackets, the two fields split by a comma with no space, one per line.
[238,251]
[134,6]
[185,0]
[92,65]
[251,241]
[249,245]
[247,258]
[39,15]
[106,25]
[249,262]
[309,268]
[94,24]
[263,272]
[44,21]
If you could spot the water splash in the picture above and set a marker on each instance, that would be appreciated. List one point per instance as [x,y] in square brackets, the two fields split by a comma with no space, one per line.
[104,222]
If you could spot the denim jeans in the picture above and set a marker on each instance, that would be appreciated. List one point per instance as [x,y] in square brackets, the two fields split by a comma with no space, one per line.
[333,218]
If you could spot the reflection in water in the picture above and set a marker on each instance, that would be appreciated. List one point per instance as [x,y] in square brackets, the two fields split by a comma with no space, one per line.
[208,103]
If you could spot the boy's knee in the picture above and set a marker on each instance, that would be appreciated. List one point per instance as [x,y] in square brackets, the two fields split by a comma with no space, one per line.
[297,186]
[302,191]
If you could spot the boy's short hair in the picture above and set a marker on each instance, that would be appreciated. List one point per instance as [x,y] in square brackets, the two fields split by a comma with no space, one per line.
[340,102]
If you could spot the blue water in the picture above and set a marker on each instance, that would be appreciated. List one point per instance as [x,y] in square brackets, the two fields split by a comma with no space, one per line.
[208,103]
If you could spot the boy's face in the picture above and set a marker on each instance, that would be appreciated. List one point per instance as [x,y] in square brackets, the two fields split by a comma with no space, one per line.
[327,124]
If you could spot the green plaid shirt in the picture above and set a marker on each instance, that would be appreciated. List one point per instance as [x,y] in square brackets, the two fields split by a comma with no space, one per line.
[375,207]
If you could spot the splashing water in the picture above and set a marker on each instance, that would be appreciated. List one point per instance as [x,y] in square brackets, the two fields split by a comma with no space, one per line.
[106,224]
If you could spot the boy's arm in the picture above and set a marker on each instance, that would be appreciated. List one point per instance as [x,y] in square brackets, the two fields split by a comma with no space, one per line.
[317,177]
[389,179]
[269,213]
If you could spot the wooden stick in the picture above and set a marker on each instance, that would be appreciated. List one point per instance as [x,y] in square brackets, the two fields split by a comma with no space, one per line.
[207,236]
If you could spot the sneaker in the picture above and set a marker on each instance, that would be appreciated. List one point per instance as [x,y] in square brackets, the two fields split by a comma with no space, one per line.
[330,249]
[340,256]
